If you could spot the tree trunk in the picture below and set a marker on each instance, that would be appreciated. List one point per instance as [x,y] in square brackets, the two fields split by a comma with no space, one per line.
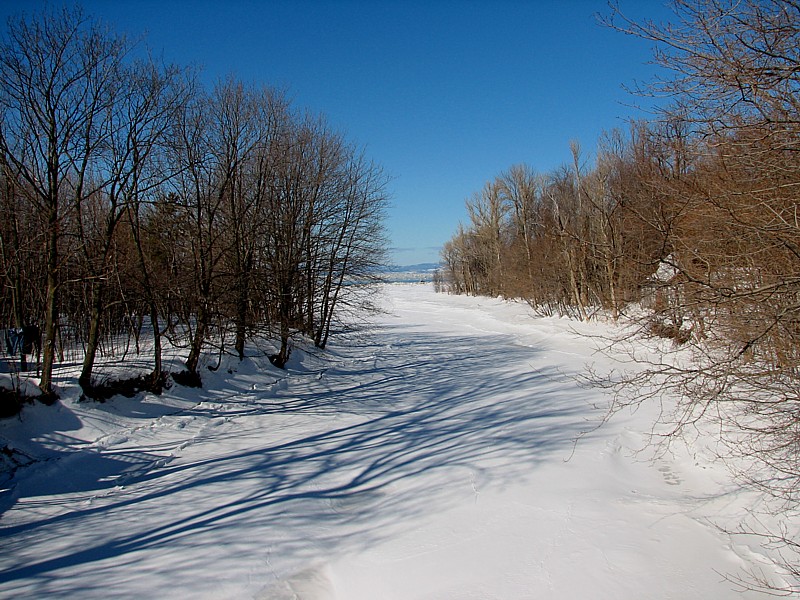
[17,298]
[285,311]
[197,341]
[282,357]
[242,303]
[85,379]
[157,376]
[51,308]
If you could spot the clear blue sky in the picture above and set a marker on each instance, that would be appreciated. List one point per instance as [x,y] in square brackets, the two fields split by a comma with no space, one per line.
[445,95]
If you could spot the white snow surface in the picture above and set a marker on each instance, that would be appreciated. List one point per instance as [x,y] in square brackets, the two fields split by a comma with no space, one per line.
[437,455]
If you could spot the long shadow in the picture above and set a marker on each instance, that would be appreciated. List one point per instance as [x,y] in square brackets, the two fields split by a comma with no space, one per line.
[382,433]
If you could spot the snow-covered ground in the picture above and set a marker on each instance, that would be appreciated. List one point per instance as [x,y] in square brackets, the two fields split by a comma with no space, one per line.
[433,457]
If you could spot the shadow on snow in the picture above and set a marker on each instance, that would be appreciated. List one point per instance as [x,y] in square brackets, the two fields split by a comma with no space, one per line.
[343,454]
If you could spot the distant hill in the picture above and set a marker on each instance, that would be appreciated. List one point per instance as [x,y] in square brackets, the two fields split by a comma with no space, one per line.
[418,268]
[419,273]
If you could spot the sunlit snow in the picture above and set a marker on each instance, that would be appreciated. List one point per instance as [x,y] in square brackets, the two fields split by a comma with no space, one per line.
[445,453]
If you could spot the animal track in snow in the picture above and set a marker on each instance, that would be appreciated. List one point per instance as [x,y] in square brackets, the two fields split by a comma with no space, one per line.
[669,476]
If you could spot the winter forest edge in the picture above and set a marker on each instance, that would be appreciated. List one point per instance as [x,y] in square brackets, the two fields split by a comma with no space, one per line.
[685,229]
[212,219]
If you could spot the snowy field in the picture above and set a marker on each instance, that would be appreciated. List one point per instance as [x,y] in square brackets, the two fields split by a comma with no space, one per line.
[433,457]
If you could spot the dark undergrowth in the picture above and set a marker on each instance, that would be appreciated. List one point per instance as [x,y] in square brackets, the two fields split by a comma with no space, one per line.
[188,379]
[12,400]
[130,387]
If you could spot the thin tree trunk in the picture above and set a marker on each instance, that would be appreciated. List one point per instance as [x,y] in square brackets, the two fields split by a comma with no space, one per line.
[51,308]
[198,339]
[242,303]
[85,379]
[157,376]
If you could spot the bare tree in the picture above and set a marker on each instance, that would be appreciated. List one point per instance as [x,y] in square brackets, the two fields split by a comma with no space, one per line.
[57,77]
[522,189]
[352,244]
[488,212]
[249,125]
[731,237]
[291,208]
[563,193]
[199,204]
[275,222]
[137,122]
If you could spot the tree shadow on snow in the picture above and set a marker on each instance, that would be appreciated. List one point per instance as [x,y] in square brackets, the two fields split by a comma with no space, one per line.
[366,444]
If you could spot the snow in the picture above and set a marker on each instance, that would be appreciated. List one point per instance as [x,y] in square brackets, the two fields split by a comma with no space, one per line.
[447,453]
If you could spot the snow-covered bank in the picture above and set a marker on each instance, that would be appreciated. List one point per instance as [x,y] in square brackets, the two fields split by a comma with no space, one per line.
[432,458]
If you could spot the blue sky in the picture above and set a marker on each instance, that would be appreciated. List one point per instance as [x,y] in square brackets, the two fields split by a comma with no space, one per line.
[444,95]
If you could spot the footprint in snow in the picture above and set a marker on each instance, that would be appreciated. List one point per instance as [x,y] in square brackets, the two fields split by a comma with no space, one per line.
[669,477]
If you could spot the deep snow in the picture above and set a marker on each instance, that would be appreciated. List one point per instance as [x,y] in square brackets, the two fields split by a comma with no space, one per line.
[446,453]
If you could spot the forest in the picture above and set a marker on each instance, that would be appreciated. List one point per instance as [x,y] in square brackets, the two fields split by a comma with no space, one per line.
[138,203]
[686,225]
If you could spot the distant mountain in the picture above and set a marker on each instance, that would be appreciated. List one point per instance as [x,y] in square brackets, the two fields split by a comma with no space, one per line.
[418,268]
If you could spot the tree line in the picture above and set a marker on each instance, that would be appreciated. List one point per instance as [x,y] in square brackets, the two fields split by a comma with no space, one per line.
[688,224]
[134,200]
